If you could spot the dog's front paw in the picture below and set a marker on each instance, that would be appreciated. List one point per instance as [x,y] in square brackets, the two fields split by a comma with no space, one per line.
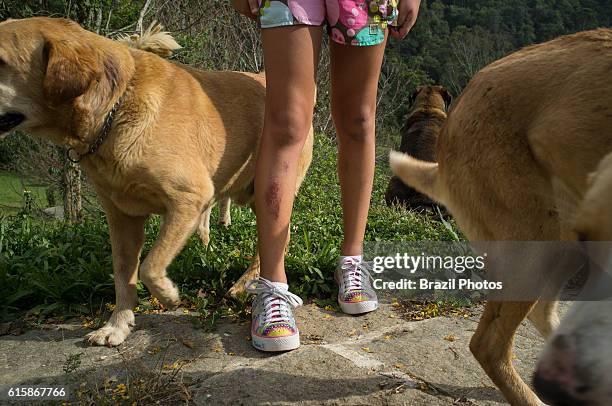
[115,331]
[110,336]
[164,290]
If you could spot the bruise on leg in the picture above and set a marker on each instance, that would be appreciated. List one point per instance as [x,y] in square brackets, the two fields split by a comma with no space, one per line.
[273,198]
[273,193]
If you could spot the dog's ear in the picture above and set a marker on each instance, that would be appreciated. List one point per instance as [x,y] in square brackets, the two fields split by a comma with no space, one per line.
[70,69]
[414,95]
[448,98]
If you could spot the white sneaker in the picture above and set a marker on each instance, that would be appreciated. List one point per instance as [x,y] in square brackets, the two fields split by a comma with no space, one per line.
[355,295]
[273,326]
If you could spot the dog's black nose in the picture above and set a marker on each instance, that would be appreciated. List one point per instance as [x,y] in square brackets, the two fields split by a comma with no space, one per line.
[10,120]
[553,393]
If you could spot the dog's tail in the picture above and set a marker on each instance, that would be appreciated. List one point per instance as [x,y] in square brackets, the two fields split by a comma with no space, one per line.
[154,40]
[420,175]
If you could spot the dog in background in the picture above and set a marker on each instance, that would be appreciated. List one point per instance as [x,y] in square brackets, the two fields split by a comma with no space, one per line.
[515,154]
[419,139]
[154,137]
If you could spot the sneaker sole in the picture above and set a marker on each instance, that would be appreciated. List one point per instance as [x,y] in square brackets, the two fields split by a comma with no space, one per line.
[277,343]
[359,307]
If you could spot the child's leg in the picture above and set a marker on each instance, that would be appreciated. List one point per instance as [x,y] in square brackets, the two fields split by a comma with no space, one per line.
[354,76]
[291,55]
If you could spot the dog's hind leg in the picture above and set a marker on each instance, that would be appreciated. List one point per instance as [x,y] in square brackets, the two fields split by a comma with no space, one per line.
[531,284]
[127,238]
[545,317]
[178,225]
[251,273]
[531,281]
[492,346]
[225,216]
[204,226]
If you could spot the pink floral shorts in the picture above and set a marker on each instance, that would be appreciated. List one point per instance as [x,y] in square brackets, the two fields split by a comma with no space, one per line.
[354,22]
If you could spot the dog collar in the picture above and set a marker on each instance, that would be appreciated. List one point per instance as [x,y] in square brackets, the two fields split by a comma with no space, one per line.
[75,157]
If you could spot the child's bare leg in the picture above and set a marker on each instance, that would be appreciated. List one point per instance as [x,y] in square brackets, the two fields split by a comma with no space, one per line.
[291,55]
[354,76]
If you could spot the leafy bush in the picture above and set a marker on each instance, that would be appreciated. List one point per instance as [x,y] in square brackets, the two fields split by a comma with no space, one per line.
[53,267]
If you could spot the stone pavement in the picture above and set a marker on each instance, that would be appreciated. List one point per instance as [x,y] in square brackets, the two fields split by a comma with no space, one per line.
[376,359]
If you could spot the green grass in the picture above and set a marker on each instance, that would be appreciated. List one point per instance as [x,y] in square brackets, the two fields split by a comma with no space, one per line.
[12,188]
[51,267]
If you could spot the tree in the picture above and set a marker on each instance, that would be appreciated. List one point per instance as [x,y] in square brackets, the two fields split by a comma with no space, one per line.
[470,49]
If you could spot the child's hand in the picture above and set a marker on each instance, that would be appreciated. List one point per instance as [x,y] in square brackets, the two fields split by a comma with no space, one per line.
[249,8]
[408,12]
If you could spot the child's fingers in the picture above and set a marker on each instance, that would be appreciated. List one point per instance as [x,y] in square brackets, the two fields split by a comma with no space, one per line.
[405,11]
[400,31]
[394,32]
[407,15]
[401,18]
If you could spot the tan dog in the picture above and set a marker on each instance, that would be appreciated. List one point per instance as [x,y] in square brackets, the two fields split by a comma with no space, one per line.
[429,105]
[154,39]
[174,140]
[517,149]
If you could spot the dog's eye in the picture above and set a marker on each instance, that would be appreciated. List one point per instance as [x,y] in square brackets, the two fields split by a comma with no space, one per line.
[2,63]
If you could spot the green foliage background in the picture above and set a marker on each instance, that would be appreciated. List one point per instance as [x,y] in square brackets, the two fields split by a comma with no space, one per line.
[450,42]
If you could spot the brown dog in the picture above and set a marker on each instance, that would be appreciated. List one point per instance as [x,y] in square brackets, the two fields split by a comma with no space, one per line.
[419,139]
[172,140]
[514,157]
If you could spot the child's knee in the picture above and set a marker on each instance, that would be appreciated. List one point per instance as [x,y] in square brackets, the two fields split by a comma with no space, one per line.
[288,127]
[356,126]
